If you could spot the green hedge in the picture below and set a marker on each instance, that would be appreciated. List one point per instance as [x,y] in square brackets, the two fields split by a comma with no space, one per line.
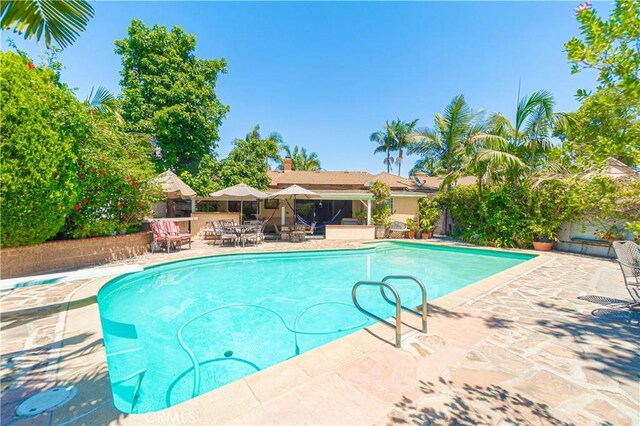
[41,123]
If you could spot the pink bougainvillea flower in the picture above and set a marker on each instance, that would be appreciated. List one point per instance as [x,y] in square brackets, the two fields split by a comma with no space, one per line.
[85,201]
[134,183]
[131,155]
[582,6]
[30,65]
[76,207]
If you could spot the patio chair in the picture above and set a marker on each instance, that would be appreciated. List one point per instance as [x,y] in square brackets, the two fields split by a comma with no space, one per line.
[298,233]
[162,238]
[209,230]
[628,257]
[174,231]
[283,234]
[255,235]
[226,234]
[312,229]
[398,230]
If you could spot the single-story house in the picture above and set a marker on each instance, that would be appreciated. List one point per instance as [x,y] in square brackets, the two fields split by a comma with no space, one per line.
[344,198]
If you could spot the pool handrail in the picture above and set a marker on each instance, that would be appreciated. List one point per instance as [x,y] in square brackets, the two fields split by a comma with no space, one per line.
[398,324]
[423,308]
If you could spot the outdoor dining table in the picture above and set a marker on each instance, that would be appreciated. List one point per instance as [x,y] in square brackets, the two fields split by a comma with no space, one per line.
[241,230]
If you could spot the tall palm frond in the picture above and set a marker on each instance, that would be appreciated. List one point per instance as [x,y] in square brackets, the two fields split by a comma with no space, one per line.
[447,142]
[102,100]
[300,159]
[57,20]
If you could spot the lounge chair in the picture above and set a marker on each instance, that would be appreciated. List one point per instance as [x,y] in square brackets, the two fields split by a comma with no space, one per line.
[174,231]
[162,238]
[398,230]
[628,257]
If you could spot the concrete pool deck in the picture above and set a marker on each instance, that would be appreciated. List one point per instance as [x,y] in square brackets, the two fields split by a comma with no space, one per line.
[541,343]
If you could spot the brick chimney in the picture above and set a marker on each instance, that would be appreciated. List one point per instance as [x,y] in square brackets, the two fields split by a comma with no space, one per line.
[287,164]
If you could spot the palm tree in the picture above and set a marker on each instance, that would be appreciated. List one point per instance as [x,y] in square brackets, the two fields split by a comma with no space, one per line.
[530,134]
[254,135]
[426,165]
[402,133]
[446,143]
[61,21]
[385,143]
[300,159]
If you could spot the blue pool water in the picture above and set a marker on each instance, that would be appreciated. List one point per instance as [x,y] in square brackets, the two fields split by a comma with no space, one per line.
[231,316]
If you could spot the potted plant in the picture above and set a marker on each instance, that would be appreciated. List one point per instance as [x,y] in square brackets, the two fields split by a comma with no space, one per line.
[413,226]
[362,217]
[428,216]
[543,236]
[610,234]
[381,215]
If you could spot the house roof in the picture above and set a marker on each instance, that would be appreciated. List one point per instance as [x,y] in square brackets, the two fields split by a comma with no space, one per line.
[339,180]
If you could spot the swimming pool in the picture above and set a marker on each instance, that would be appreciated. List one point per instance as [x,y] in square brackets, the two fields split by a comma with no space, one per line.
[178,330]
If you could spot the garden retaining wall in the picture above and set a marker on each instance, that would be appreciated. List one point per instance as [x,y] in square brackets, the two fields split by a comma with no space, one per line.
[57,255]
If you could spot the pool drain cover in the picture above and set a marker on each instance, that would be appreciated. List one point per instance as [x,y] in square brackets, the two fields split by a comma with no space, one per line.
[45,401]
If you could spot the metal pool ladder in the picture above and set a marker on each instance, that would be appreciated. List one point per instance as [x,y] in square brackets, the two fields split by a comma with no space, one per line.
[398,304]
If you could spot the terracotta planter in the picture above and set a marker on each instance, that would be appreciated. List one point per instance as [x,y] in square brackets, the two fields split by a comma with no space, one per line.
[540,246]
[412,235]
[427,234]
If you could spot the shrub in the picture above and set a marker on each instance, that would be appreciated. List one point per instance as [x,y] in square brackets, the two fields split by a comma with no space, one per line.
[381,215]
[428,213]
[114,175]
[41,124]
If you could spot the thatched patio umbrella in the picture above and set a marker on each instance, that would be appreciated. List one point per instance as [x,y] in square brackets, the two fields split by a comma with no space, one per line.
[173,187]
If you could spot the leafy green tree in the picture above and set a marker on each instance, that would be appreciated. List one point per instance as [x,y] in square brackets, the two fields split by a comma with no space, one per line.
[300,159]
[248,161]
[530,134]
[42,124]
[169,93]
[386,145]
[59,21]
[205,180]
[609,46]
[605,125]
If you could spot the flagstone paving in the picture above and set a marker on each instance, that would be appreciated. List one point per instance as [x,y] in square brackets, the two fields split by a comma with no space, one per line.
[551,346]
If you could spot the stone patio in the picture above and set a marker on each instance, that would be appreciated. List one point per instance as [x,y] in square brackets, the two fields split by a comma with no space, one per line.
[546,342]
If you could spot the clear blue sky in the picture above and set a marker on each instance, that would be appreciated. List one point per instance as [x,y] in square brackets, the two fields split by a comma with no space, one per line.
[327,75]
